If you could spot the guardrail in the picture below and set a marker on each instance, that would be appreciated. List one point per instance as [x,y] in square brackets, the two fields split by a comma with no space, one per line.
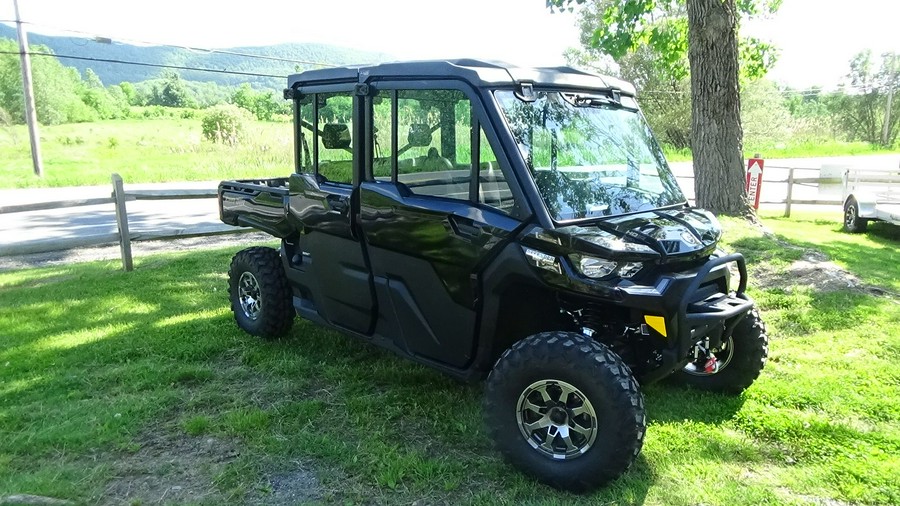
[119,198]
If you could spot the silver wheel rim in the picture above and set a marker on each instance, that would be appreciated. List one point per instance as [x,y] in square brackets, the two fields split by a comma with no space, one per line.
[723,358]
[850,218]
[249,295]
[556,419]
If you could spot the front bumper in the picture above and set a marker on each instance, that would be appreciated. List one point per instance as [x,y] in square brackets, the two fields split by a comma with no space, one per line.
[694,308]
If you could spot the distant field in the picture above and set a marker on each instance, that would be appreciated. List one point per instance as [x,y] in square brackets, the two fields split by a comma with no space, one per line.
[142,151]
[169,149]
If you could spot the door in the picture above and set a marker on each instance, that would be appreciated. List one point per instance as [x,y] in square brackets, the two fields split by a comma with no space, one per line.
[329,262]
[430,228]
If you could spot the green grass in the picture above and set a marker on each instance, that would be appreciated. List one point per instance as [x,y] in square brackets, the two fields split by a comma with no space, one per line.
[142,151]
[101,370]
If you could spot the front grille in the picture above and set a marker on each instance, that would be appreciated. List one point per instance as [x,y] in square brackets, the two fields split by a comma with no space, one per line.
[671,246]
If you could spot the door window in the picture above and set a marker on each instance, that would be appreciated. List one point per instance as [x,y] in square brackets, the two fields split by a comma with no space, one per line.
[434,156]
[423,140]
[493,189]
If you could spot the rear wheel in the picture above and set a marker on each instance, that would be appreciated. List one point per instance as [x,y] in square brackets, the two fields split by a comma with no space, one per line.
[733,366]
[566,410]
[852,222]
[259,292]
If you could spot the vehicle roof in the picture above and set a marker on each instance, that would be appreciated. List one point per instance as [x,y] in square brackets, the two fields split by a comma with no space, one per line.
[478,73]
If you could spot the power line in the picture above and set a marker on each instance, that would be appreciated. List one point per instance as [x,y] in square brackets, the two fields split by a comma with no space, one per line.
[144,64]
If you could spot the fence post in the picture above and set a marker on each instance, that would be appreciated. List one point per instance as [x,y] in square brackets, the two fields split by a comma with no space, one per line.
[790,192]
[122,222]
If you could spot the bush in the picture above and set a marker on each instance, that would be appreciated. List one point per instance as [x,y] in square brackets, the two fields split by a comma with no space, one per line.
[224,123]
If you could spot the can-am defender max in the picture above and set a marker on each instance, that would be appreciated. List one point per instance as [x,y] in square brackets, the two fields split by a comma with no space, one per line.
[492,221]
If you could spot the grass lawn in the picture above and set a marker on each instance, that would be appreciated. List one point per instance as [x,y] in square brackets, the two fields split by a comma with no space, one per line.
[138,387]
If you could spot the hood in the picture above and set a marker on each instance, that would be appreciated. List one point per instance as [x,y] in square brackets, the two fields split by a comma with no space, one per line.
[663,235]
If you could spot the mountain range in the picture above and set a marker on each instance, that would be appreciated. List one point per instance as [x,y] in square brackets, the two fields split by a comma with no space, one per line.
[106,54]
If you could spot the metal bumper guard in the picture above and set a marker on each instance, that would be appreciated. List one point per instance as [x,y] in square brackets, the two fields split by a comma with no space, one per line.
[698,319]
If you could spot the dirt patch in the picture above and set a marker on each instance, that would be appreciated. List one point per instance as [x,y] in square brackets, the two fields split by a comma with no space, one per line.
[176,469]
[296,487]
[181,469]
[813,270]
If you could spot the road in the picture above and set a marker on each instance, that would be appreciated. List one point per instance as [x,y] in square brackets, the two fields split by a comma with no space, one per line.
[35,231]
[38,230]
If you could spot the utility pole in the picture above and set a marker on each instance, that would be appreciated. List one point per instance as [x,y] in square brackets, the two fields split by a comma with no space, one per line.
[30,112]
[892,82]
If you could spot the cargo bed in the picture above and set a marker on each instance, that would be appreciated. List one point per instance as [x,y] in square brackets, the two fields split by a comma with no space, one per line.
[257,203]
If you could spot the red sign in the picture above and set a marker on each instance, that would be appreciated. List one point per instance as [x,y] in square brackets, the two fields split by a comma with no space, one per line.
[754,180]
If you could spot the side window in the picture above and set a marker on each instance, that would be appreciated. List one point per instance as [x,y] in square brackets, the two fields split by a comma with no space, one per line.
[434,142]
[304,145]
[423,139]
[493,190]
[382,139]
[334,121]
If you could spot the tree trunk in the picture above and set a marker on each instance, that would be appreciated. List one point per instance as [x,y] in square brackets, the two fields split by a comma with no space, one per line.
[716,134]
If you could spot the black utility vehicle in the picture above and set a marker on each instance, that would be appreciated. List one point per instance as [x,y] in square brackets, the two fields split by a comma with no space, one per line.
[509,223]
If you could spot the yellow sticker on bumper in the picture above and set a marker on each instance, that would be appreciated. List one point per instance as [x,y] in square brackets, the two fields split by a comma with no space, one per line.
[657,323]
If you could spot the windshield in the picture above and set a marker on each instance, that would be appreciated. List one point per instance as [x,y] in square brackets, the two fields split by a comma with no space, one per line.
[589,156]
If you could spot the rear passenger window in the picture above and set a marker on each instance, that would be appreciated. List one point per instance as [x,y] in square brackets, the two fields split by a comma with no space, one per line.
[334,121]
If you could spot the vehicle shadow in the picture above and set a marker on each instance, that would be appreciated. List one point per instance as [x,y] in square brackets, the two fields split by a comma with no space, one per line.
[668,402]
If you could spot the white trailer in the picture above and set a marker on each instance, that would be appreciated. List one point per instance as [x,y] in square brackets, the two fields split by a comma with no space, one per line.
[870,195]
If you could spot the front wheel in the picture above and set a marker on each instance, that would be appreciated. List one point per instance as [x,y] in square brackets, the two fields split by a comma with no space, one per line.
[259,292]
[735,365]
[852,222]
[566,410]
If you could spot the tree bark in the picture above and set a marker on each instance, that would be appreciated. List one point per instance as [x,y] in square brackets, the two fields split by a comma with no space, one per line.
[716,133]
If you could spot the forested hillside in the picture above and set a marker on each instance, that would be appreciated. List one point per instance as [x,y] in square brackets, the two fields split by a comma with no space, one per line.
[114,73]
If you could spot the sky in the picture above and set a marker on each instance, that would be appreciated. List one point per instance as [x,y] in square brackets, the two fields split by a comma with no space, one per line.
[816,38]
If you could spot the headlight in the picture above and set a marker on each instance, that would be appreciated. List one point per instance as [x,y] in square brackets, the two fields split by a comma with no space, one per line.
[630,269]
[542,260]
[596,268]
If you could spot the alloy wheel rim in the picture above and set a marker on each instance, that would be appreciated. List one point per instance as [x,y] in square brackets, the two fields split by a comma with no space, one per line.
[249,295]
[556,419]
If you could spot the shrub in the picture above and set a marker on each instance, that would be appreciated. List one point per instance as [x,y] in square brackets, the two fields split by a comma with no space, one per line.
[224,123]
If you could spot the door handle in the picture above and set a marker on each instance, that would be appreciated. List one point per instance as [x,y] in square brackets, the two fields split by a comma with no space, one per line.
[465,227]
[337,203]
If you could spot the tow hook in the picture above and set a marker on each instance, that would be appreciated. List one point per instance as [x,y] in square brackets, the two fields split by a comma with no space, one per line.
[702,354]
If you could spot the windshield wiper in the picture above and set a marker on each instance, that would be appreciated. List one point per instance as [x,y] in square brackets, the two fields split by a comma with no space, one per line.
[596,101]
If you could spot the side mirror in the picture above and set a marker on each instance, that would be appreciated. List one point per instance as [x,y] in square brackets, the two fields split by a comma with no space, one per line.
[419,135]
[336,136]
